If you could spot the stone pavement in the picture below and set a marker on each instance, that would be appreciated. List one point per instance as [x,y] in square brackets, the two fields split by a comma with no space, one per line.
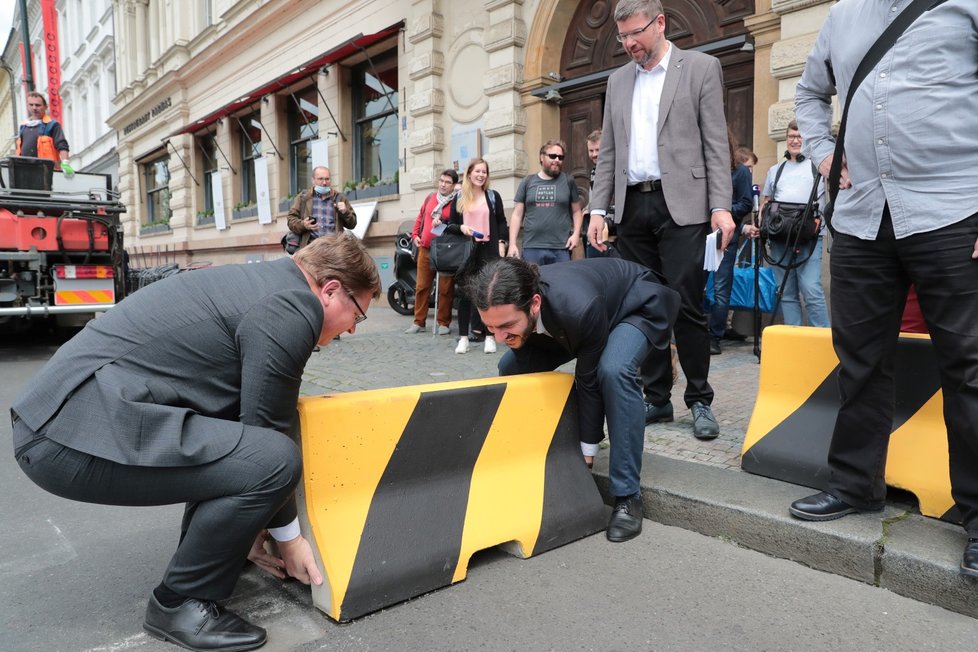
[691,484]
[380,355]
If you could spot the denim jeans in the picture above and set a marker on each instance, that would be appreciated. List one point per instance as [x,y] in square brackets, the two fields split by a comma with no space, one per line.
[621,392]
[722,284]
[804,282]
[546,256]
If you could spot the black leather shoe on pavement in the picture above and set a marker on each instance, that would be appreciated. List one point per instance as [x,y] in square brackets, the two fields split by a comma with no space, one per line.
[658,413]
[715,347]
[626,519]
[969,564]
[705,425]
[202,625]
[823,506]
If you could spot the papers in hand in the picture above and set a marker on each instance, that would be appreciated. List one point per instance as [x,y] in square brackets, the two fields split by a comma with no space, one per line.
[438,230]
[712,256]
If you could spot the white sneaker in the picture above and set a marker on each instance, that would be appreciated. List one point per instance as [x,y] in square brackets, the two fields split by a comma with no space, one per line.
[490,345]
[463,345]
[444,330]
[413,328]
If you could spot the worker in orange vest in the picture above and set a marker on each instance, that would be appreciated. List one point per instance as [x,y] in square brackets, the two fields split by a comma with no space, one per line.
[41,136]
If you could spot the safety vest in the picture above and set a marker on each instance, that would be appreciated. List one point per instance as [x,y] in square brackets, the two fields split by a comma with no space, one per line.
[45,143]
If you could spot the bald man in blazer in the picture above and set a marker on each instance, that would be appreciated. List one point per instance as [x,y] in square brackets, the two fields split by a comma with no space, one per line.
[664,158]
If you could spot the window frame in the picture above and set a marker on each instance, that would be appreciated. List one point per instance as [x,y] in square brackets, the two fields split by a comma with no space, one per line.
[296,127]
[382,63]
[150,218]
[248,188]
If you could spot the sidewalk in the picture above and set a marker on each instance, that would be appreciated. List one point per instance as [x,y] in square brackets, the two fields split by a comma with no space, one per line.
[689,483]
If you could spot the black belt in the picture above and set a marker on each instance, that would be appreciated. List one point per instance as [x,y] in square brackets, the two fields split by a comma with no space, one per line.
[654,185]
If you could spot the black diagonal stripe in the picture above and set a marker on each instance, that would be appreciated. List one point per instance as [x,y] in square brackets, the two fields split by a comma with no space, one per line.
[412,537]
[796,450]
[572,505]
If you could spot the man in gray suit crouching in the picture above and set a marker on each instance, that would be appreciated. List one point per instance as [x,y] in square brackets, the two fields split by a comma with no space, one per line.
[184,392]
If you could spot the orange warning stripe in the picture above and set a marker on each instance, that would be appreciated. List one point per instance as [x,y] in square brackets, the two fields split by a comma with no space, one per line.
[82,297]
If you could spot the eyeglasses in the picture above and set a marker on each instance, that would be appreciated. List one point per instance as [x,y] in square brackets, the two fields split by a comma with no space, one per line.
[362,317]
[555,157]
[635,32]
[798,137]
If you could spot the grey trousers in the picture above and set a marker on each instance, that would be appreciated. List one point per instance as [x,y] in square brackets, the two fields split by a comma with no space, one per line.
[228,501]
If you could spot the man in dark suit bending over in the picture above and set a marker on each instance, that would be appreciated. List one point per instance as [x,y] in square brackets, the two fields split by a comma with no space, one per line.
[184,393]
[609,314]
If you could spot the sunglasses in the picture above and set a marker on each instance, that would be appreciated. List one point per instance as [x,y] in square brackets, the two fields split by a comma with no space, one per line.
[555,157]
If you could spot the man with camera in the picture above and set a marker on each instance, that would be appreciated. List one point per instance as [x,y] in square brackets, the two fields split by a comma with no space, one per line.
[789,184]
[318,211]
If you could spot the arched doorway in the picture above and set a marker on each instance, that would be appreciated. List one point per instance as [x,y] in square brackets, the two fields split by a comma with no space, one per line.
[590,53]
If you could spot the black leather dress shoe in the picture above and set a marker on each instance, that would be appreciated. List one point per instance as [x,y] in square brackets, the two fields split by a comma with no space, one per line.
[658,413]
[733,336]
[823,506]
[969,564]
[203,626]
[626,519]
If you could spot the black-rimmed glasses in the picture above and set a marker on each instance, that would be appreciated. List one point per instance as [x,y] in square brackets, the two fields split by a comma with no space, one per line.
[362,317]
[635,32]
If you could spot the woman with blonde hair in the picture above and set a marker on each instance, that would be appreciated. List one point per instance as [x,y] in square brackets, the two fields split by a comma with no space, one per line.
[477,213]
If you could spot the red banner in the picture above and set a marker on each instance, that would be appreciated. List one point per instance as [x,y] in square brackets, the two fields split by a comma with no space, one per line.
[52,57]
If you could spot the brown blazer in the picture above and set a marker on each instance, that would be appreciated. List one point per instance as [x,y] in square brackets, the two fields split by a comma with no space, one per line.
[302,206]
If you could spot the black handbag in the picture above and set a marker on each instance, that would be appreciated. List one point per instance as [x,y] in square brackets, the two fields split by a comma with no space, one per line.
[789,223]
[449,251]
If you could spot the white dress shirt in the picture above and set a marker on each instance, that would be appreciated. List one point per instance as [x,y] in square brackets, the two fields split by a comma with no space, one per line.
[643,142]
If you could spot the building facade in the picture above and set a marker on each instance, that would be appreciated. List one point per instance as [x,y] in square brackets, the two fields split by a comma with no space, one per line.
[247,96]
[85,71]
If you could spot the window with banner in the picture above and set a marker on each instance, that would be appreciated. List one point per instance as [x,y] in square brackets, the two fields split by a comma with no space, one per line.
[375,104]
[156,180]
[250,133]
[207,147]
[303,129]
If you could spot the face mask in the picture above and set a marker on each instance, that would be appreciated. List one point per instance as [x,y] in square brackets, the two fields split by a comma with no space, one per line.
[322,190]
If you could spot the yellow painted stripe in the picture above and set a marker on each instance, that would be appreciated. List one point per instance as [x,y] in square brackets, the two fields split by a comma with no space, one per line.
[917,458]
[796,360]
[508,478]
[80,297]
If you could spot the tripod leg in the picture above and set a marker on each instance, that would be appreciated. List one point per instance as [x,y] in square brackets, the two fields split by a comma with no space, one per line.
[756,260]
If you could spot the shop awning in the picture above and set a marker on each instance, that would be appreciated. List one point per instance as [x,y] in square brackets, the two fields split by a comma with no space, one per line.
[307,69]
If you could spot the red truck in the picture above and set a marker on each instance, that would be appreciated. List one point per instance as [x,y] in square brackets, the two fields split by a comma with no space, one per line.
[61,249]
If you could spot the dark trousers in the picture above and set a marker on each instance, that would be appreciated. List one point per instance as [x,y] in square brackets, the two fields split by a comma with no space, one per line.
[229,501]
[870,279]
[647,235]
[468,315]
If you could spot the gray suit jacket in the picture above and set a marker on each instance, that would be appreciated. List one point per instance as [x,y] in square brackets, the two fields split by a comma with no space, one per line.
[170,375]
[694,156]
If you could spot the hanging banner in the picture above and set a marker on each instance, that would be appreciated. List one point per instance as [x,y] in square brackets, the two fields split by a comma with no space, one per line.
[217,196]
[52,57]
[320,152]
[261,189]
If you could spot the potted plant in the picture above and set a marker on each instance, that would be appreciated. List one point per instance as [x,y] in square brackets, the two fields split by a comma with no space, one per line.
[244,209]
[205,217]
[285,203]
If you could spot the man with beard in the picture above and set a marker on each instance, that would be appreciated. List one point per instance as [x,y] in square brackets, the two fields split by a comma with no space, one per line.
[608,314]
[665,163]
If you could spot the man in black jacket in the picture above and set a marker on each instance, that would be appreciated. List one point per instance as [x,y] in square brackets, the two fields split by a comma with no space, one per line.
[608,314]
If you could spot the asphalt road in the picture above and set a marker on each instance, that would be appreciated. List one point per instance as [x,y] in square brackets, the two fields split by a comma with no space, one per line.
[76,577]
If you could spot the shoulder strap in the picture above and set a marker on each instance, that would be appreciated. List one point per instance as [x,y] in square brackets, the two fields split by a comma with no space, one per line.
[873,56]
[777,176]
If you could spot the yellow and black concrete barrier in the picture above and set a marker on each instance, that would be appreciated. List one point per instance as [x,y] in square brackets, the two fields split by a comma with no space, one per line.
[798,399]
[401,486]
